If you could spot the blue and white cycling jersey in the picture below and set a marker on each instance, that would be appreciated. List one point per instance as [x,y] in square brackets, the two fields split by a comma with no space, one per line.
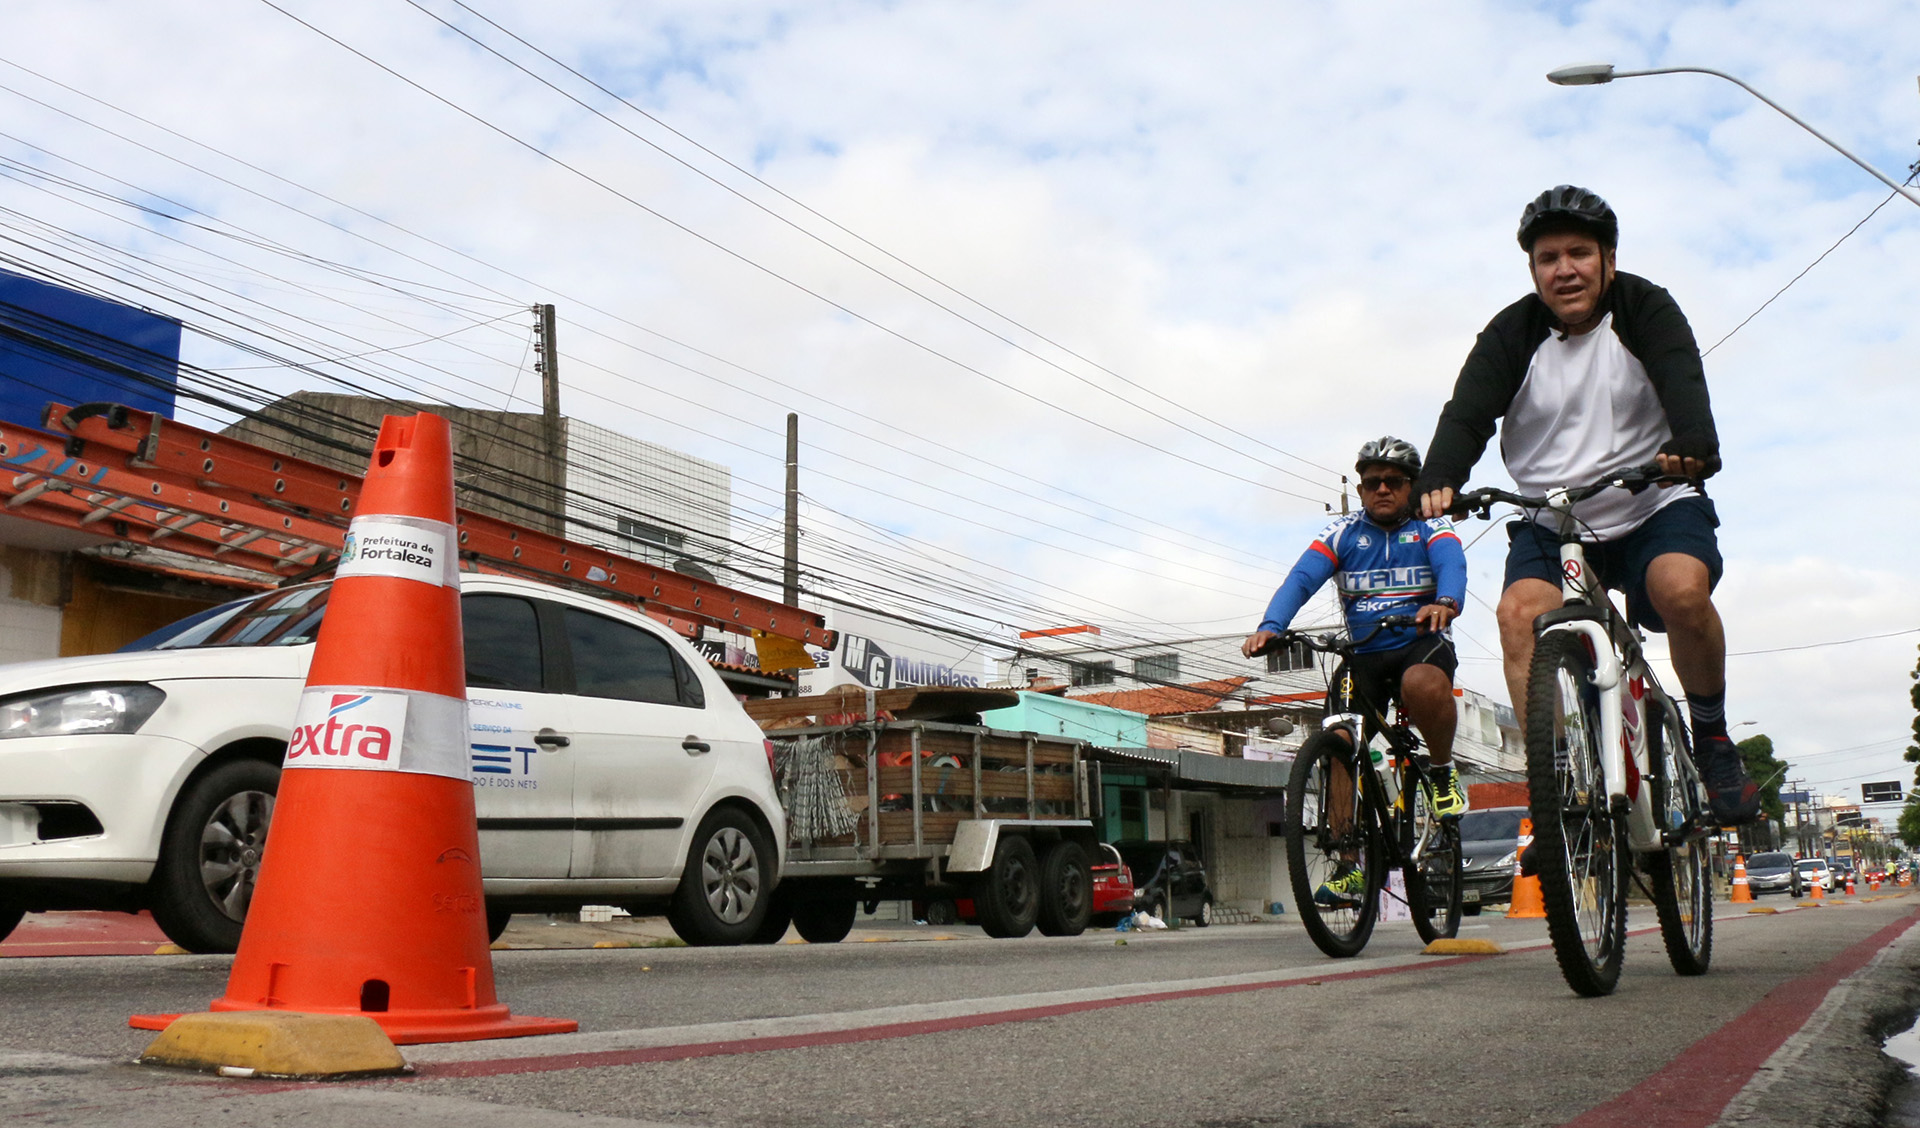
[1380,572]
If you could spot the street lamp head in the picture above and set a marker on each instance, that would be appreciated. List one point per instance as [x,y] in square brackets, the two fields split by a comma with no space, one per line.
[1582,74]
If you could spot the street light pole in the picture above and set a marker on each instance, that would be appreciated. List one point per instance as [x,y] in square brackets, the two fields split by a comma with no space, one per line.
[1594,74]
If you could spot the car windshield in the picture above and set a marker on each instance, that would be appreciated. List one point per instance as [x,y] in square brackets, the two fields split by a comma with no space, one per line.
[1809,865]
[1489,826]
[278,618]
[1770,861]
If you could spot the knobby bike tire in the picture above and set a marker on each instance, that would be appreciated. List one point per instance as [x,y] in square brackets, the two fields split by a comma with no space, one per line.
[1682,881]
[1314,849]
[1581,843]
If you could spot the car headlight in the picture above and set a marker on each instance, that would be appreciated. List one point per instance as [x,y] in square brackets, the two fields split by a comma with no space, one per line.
[1507,862]
[83,711]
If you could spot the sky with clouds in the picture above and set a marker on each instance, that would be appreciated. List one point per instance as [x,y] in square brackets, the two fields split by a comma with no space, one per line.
[1084,307]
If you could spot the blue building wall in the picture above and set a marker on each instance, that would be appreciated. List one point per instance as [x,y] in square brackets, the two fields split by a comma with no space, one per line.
[60,344]
[1062,716]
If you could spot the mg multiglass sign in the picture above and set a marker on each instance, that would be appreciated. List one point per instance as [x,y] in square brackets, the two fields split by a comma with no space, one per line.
[879,654]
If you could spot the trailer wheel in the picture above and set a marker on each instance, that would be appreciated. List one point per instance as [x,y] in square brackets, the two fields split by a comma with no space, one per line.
[779,919]
[1066,890]
[824,922]
[1008,900]
[497,921]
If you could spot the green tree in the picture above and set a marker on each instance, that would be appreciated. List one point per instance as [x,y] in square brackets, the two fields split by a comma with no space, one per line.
[1910,821]
[1769,773]
[1913,750]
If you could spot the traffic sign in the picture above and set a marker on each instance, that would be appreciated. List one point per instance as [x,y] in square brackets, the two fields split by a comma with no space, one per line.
[1791,797]
[1888,792]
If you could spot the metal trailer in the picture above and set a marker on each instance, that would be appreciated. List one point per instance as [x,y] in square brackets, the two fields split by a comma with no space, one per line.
[988,825]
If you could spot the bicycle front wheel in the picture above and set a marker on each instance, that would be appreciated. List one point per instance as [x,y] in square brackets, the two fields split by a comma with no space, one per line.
[1433,885]
[1580,843]
[1682,883]
[1329,838]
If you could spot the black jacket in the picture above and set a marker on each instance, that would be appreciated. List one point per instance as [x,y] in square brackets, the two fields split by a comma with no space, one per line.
[1650,326]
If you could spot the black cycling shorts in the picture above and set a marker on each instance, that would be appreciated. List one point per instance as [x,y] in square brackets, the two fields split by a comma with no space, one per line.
[1366,683]
[1686,527]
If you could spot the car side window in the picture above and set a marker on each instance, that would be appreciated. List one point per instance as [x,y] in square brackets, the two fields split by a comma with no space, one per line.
[502,642]
[615,660]
[692,694]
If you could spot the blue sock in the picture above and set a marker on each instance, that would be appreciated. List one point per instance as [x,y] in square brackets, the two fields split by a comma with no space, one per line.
[1709,714]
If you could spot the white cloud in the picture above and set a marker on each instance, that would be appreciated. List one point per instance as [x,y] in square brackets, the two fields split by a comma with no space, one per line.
[1292,218]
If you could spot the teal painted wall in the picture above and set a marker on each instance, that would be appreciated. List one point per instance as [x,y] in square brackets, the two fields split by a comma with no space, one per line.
[1061,716]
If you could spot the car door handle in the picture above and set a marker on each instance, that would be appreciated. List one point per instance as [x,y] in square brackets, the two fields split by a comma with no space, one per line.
[695,746]
[548,738]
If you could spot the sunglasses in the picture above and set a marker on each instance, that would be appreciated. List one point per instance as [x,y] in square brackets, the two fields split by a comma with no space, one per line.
[1391,481]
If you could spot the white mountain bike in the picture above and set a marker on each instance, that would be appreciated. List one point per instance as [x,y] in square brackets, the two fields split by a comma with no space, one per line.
[1610,771]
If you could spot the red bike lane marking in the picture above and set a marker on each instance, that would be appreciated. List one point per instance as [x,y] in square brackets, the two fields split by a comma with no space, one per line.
[1693,1089]
[84,934]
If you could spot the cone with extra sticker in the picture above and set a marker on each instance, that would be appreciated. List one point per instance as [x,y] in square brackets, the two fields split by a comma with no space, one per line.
[369,899]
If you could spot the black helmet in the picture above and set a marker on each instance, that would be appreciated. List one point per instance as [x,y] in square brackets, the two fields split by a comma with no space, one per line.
[1393,452]
[1569,206]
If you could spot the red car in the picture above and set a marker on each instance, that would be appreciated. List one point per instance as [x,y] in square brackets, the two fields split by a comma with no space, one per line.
[1112,887]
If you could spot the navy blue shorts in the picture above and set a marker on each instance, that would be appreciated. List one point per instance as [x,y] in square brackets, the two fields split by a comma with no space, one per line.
[1685,527]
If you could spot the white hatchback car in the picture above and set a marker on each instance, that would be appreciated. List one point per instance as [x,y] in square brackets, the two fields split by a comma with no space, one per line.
[610,766]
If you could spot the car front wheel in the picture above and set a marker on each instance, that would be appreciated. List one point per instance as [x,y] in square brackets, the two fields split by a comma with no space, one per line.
[210,855]
[723,897]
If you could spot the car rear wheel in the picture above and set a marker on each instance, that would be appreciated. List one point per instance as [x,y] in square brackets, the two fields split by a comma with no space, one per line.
[210,855]
[722,898]
[1204,917]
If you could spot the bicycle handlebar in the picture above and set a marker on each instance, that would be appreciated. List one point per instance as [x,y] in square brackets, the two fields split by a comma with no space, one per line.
[1332,642]
[1634,479]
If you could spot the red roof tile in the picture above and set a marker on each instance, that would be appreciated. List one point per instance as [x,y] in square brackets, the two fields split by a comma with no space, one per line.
[1164,700]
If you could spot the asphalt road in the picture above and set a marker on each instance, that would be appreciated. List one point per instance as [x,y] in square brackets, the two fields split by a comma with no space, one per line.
[1230,1027]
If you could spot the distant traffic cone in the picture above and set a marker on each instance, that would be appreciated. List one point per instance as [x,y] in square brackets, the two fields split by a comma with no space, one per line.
[1849,885]
[1526,902]
[1873,884]
[1819,890]
[369,899]
[1741,890]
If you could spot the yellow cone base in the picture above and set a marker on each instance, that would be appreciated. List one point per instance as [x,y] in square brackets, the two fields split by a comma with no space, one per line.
[1457,947]
[277,1044]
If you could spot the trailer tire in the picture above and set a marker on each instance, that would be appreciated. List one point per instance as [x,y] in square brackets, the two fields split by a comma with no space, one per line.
[779,918]
[1008,900]
[1066,890]
[824,922]
[497,921]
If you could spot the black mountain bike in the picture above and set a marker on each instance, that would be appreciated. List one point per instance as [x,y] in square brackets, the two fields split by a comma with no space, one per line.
[1351,805]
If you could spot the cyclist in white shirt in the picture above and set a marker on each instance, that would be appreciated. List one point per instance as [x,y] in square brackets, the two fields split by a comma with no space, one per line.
[1592,372]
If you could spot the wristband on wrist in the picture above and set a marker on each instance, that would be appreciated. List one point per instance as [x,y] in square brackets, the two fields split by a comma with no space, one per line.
[1449,602]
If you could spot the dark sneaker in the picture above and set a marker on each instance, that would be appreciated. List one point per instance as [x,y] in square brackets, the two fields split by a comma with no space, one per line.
[1344,889]
[1732,796]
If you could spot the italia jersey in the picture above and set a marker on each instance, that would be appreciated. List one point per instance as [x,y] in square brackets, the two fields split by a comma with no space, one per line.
[1379,571]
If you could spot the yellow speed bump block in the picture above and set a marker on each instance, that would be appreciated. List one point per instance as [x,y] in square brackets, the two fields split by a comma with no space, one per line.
[277,1044]
[1769,909]
[1457,947]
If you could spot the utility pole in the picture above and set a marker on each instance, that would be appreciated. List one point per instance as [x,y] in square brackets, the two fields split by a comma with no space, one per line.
[547,363]
[790,574]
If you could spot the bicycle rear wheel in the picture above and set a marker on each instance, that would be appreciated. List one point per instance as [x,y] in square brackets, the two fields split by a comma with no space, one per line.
[1433,885]
[1682,883]
[1581,844]
[1328,829]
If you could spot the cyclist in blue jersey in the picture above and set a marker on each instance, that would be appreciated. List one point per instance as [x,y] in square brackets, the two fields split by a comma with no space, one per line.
[1388,562]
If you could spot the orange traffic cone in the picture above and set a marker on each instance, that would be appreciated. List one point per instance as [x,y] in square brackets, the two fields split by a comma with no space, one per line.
[1526,902]
[1873,884]
[1819,890]
[1849,885]
[369,899]
[1741,890]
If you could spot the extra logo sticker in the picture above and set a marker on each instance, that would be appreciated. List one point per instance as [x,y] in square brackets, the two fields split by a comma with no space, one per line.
[348,730]
[402,547]
[1571,568]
